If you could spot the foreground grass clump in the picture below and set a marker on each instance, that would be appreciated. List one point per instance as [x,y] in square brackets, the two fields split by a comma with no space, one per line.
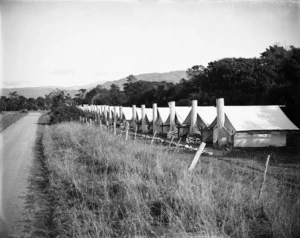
[6,119]
[103,186]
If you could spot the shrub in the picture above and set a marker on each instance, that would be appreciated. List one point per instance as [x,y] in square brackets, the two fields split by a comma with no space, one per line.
[64,113]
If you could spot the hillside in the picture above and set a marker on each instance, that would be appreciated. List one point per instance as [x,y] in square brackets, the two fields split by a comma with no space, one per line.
[174,77]
[34,92]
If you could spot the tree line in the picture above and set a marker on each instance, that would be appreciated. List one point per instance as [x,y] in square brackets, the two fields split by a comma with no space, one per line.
[17,102]
[271,79]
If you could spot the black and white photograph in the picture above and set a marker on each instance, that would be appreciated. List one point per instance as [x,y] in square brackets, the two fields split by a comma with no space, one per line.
[149,118]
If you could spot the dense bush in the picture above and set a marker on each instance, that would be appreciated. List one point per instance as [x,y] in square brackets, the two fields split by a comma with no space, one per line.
[65,113]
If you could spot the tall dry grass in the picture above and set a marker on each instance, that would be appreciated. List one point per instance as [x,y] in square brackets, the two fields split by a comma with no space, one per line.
[103,186]
[8,118]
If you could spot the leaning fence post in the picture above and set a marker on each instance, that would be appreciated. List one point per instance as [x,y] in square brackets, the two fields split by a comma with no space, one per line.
[91,123]
[126,130]
[171,141]
[135,135]
[265,175]
[177,145]
[197,156]
[100,124]
[153,138]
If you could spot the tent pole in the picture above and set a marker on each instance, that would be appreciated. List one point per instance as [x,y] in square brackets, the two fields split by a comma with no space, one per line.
[154,106]
[220,118]
[193,116]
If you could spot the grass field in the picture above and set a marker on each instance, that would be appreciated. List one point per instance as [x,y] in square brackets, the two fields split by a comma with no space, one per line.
[6,119]
[100,185]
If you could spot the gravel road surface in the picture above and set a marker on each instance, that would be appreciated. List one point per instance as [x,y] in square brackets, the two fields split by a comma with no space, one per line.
[16,158]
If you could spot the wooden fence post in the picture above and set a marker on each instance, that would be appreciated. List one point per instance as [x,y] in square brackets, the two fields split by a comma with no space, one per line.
[177,145]
[115,129]
[265,175]
[126,130]
[135,135]
[171,141]
[153,138]
[197,156]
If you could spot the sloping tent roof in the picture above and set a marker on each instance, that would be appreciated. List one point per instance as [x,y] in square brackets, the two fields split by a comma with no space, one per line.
[138,114]
[148,115]
[205,116]
[127,113]
[98,108]
[162,115]
[257,118]
[181,114]
[112,108]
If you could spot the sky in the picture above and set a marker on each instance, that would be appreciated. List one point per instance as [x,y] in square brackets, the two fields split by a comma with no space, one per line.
[73,43]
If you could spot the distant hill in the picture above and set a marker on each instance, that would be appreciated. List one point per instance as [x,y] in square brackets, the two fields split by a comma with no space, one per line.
[173,77]
[34,92]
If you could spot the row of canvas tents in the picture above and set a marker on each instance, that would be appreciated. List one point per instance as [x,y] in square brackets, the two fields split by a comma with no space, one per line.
[240,126]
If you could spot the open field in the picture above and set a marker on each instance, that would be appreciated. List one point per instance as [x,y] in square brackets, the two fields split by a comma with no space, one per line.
[100,185]
[6,119]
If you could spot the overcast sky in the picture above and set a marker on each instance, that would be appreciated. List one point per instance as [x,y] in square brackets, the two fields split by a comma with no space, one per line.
[70,43]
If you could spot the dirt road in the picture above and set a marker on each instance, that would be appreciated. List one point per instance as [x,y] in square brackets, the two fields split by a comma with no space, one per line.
[16,157]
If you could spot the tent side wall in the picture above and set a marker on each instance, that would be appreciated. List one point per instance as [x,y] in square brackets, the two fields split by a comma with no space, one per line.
[244,139]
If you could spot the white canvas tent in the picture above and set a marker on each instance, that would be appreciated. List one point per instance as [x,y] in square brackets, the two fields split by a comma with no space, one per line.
[205,115]
[126,114]
[147,119]
[181,114]
[254,126]
[161,120]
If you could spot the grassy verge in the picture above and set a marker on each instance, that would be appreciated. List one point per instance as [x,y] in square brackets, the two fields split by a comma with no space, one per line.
[103,186]
[39,199]
[7,119]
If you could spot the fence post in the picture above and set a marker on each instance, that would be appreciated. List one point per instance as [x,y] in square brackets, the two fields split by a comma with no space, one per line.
[197,156]
[135,135]
[265,174]
[115,129]
[126,130]
[171,141]
[153,138]
[177,145]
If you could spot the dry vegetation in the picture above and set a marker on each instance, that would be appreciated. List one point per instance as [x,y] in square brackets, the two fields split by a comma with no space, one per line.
[6,119]
[102,186]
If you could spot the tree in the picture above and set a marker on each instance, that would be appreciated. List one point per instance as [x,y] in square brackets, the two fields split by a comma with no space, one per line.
[3,105]
[80,96]
[41,103]
[117,97]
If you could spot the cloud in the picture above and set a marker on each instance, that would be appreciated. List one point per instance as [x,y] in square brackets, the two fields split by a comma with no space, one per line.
[62,71]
